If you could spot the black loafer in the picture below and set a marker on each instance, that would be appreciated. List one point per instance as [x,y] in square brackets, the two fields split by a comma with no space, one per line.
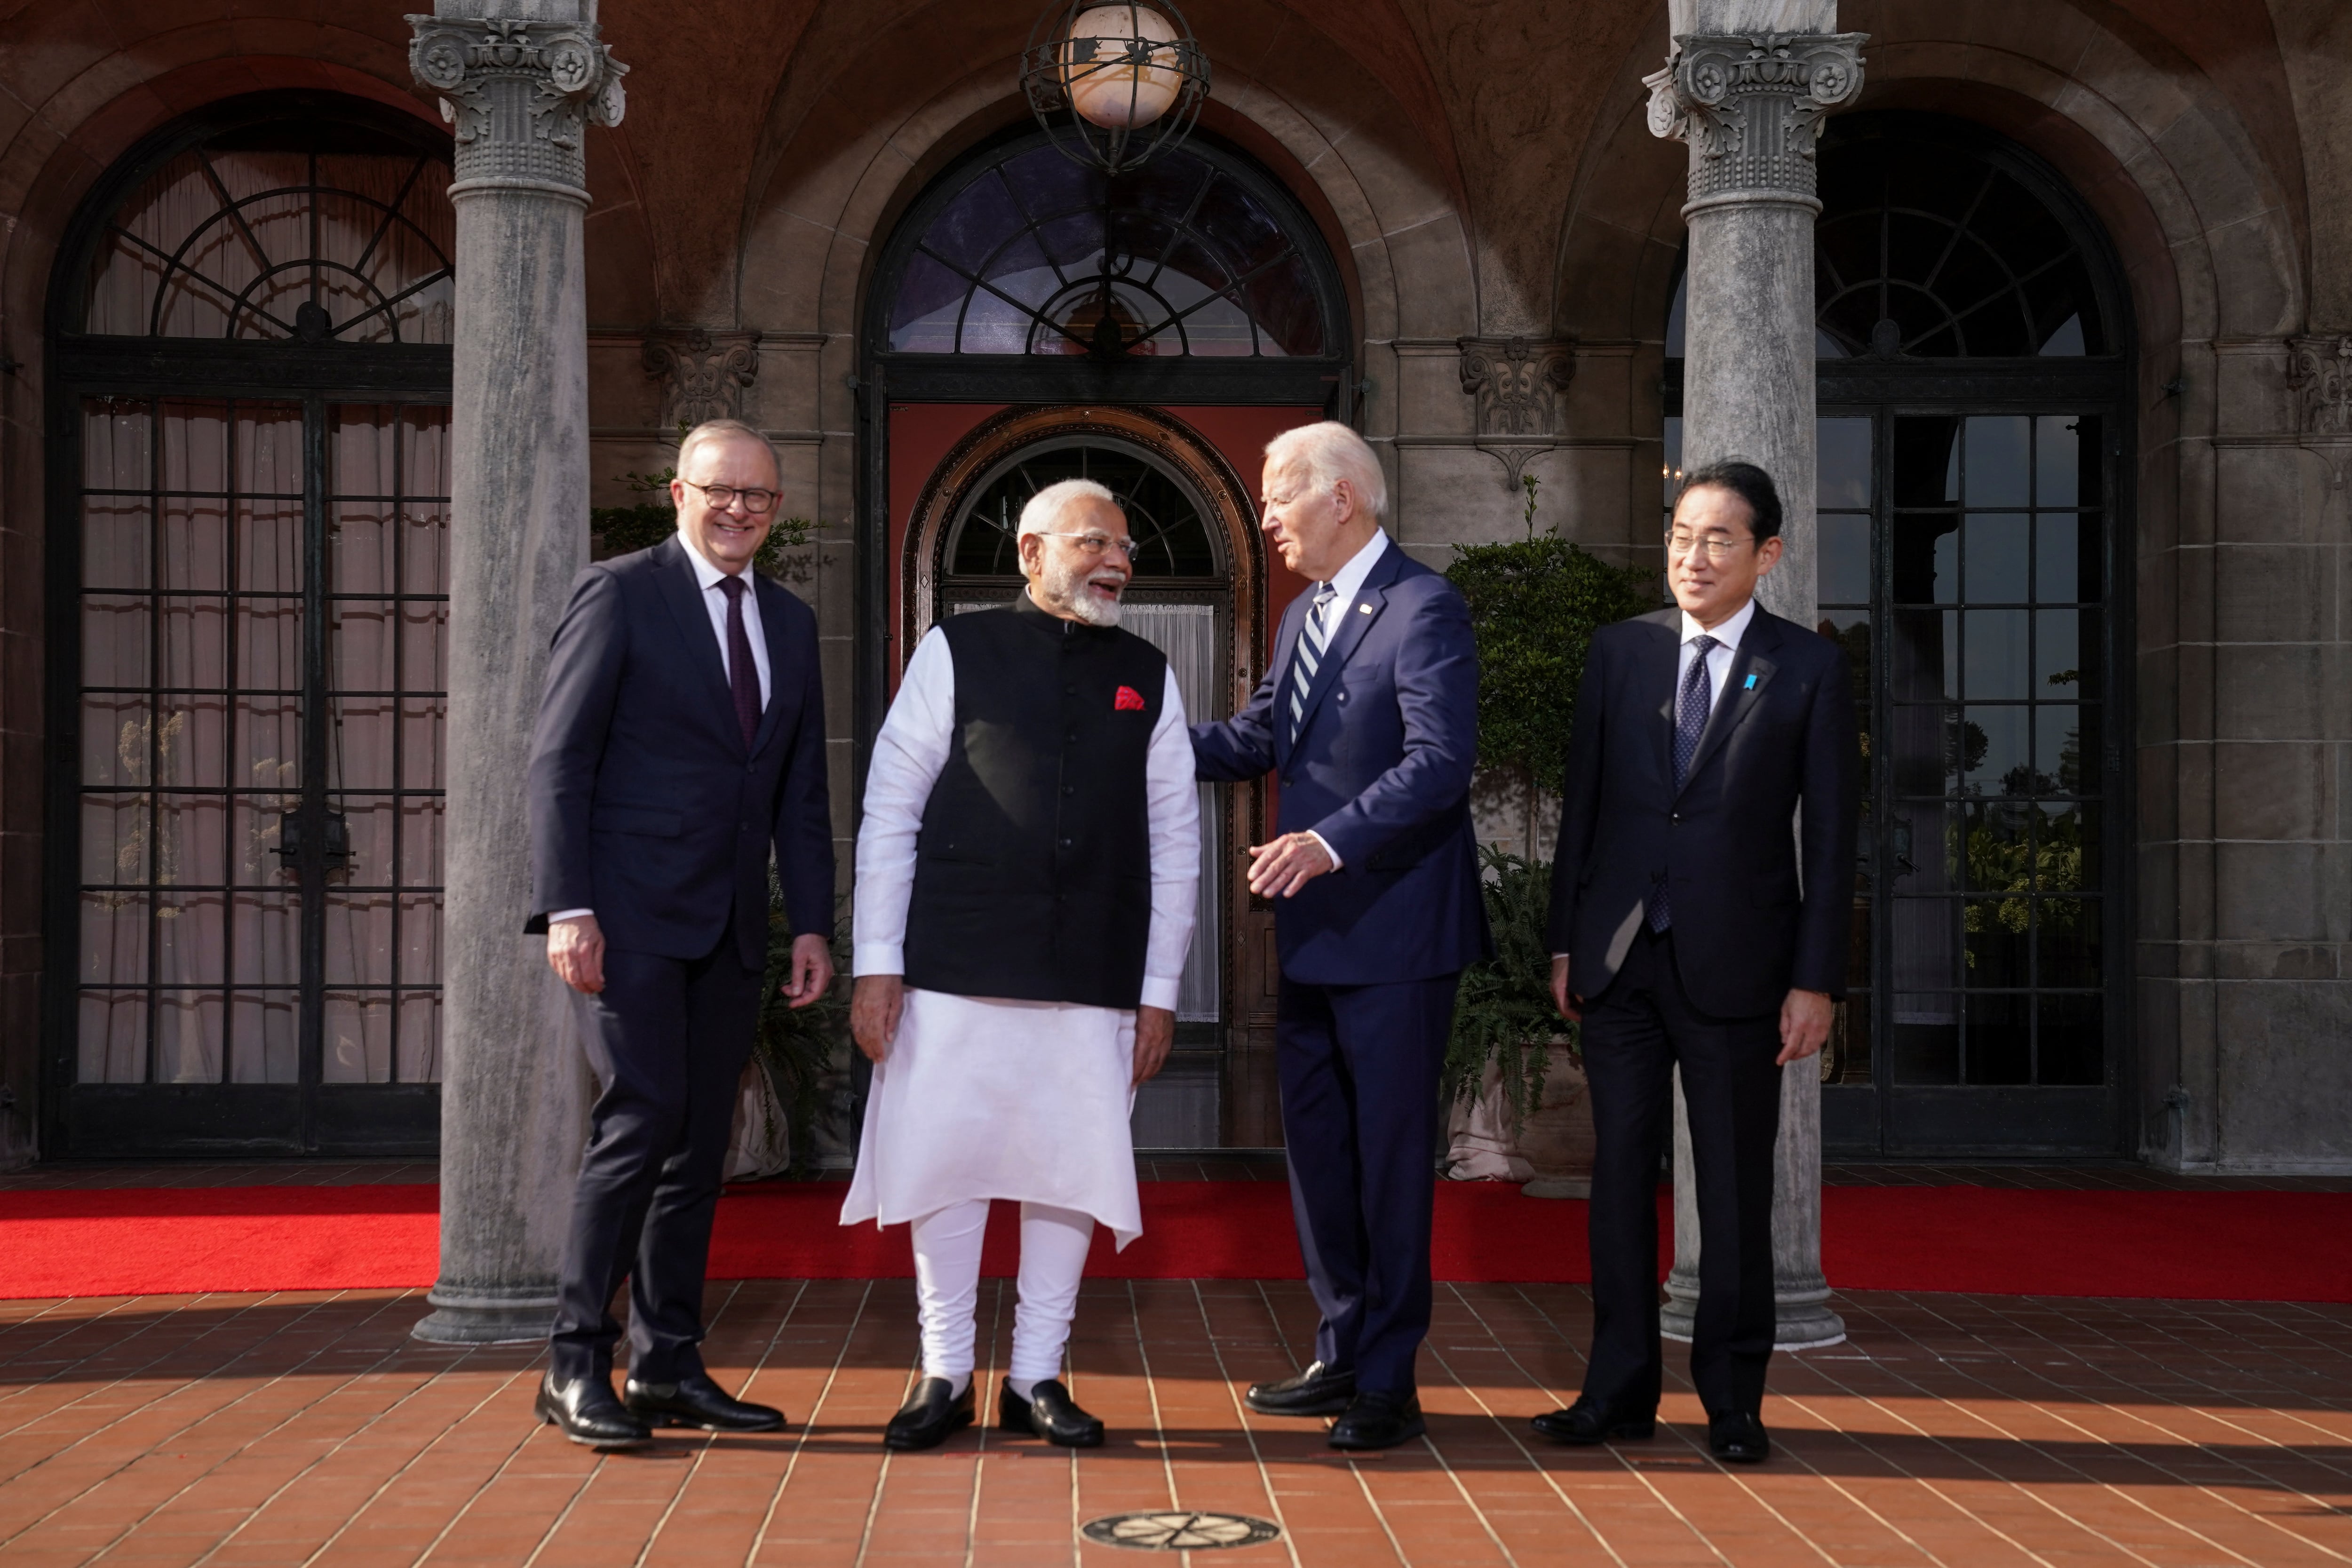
[696,1401]
[1049,1413]
[930,1415]
[1319,1391]
[1737,1439]
[1589,1421]
[586,1412]
[1376,1419]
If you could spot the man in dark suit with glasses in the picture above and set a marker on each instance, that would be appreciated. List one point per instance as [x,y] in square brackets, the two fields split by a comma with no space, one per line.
[1691,926]
[681,737]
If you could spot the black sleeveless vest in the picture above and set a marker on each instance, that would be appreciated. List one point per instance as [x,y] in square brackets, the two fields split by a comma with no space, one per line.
[1032,871]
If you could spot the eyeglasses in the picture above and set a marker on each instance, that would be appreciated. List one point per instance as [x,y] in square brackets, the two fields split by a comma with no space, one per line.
[1714,546]
[759,503]
[1095,543]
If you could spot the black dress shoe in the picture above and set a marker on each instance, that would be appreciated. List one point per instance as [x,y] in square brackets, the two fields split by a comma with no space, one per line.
[1317,1391]
[1590,1421]
[930,1413]
[694,1401]
[1737,1439]
[1049,1413]
[1377,1419]
[586,1412]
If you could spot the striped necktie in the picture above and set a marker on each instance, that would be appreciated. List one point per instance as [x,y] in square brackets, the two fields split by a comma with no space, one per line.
[1314,637]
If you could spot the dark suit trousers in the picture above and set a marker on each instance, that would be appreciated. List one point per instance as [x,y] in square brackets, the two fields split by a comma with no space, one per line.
[1359,1065]
[668,1039]
[1635,1034]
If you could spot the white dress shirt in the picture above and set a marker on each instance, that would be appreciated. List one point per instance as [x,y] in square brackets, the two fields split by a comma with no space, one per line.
[908,755]
[1727,638]
[714,601]
[1345,584]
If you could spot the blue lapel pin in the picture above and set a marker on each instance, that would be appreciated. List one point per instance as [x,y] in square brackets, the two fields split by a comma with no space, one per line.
[1750,686]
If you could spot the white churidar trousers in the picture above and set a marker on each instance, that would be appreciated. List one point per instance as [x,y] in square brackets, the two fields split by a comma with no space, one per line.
[1054,1244]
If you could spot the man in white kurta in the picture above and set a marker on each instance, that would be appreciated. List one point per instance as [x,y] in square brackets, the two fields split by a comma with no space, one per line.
[1026,874]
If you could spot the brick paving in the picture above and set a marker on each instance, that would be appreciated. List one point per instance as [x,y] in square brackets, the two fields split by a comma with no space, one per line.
[308,1429]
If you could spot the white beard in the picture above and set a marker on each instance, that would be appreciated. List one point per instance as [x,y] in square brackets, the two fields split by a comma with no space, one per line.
[1068,591]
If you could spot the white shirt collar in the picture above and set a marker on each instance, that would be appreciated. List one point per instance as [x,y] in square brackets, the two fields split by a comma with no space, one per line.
[705,576]
[1349,580]
[1729,632]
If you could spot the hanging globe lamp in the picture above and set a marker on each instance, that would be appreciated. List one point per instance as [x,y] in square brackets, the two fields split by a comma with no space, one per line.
[1114,84]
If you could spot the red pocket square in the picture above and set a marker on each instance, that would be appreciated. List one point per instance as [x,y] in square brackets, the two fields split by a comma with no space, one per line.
[1129,700]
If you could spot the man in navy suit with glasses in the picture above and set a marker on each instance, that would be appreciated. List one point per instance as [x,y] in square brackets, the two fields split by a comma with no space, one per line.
[1369,719]
[1702,900]
[681,739]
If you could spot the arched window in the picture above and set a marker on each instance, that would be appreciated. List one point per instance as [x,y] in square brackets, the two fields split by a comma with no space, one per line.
[1974,419]
[1033,255]
[1162,514]
[248,340]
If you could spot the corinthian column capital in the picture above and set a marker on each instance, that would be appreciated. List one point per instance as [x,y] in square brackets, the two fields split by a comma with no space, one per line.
[519,93]
[1751,106]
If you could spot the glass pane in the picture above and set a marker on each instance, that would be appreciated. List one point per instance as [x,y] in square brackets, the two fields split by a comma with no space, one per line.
[357,1043]
[420,843]
[116,444]
[195,542]
[360,646]
[114,929]
[1924,1038]
[1849,629]
[370,819]
[1926,564]
[1999,856]
[194,644]
[269,645]
[1998,547]
[358,938]
[191,1039]
[425,548]
[424,647]
[1287,307]
[420,1036]
[421,738]
[191,939]
[1996,754]
[1999,471]
[116,535]
[1926,950]
[256,820]
[1925,748]
[115,732]
[114,829]
[270,732]
[359,742]
[196,448]
[2057,461]
[191,841]
[264,1029]
[114,649]
[1842,568]
[2001,1040]
[2071,1047]
[191,742]
[1925,648]
[358,547]
[2067,848]
[1995,933]
[2057,560]
[420,938]
[2067,934]
[2064,737]
[270,546]
[1844,472]
[112,1037]
[1927,468]
[268,939]
[1998,654]
[1849,1048]
[269,442]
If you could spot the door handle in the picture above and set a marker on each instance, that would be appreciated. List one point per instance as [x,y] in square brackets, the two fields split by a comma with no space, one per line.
[335,846]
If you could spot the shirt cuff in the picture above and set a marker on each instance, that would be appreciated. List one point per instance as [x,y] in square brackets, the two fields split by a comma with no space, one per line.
[1160,992]
[568,915]
[877,958]
[1334,854]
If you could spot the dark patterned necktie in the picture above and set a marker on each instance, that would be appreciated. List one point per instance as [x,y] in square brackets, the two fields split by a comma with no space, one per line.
[1691,705]
[1314,637]
[743,675]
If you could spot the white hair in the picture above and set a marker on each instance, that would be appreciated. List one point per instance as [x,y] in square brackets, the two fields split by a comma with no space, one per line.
[1326,453]
[1045,508]
[711,430]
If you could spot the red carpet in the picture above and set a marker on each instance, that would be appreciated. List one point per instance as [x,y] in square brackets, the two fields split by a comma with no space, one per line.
[2218,1245]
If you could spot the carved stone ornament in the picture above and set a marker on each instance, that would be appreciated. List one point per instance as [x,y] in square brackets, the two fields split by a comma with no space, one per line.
[1518,383]
[706,373]
[519,94]
[2319,377]
[1751,108]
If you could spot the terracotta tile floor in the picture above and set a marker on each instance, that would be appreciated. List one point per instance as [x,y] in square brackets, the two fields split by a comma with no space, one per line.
[299,1429]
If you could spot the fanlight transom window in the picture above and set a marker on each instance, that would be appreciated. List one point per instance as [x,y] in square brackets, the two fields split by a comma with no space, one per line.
[314,233]
[1036,256]
[1162,515]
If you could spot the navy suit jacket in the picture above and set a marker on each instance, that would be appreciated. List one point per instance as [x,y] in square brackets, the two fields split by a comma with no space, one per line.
[1381,770]
[1779,747]
[645,805]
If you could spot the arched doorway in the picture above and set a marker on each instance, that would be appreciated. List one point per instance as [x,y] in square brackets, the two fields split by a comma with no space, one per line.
[1031,319]
[249,372]
[1973,381]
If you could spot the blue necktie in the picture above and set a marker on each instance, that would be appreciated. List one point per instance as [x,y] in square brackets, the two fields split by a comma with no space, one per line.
[1691,705]
[1313,638]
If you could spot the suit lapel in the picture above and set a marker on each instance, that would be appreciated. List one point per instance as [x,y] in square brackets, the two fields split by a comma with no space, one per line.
[1356,618]
[683,594]
[772,622]
[1285,649]
[1752,670]
[1654,677]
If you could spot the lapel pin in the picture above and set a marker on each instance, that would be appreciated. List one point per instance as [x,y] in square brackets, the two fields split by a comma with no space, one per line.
[1750,686]
[1364,609]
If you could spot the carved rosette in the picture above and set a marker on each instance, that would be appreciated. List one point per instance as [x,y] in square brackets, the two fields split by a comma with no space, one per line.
[519,94]
[2319,379]
[1751,108]
[1517,382]
[704,373]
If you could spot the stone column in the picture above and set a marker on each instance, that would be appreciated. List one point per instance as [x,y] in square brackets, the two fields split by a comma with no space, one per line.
[1747,85]
[519,90]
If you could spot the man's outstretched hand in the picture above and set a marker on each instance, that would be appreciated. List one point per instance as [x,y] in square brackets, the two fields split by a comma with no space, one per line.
[812,973]
[1280,868]
[875,1005]
[575,951]
[1155,1035]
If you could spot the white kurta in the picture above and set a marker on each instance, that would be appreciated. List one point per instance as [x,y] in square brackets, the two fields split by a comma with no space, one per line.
[984,1097]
